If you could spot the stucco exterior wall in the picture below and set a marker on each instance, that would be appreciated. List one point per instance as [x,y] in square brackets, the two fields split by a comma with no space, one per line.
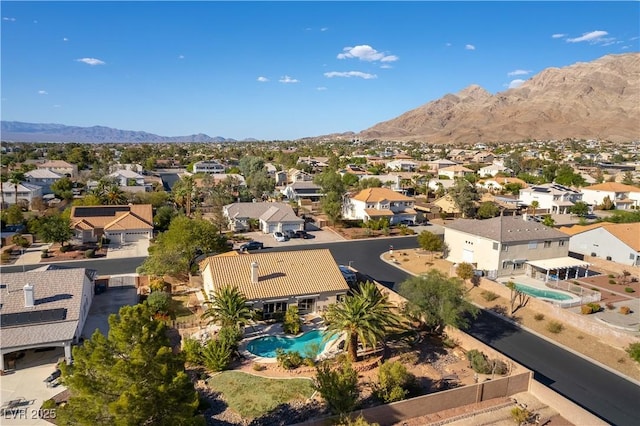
[604,245]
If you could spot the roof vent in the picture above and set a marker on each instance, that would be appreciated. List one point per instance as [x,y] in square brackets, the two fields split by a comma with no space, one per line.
[28,296]
[254,272]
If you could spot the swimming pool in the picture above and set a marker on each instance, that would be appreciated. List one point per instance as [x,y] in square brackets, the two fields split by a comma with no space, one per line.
[266,346]
[543,294]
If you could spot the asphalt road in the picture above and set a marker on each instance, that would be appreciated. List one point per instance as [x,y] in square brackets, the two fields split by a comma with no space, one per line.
[605,394]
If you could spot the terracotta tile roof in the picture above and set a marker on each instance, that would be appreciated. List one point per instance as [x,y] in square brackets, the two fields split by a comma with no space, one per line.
[281,274]
[56,164]
[376,212]
[380,194]
[612,187]
[133,216]
[628,233]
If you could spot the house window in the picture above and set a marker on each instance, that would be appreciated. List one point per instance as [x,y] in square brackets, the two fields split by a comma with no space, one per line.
[533,245]
[305,305]
[505,247]
[547,244]
[632,256]
[495,246]
[269,309]
[561,243]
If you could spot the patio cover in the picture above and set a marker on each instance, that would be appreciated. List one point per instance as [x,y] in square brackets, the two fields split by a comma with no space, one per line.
[559,263]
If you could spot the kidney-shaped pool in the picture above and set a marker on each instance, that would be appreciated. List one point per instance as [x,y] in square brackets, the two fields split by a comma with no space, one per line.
[266,346]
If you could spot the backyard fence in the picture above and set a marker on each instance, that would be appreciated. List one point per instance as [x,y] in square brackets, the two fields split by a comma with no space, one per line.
[586,295]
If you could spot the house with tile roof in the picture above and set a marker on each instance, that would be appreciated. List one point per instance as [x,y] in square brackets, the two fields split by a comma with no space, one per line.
[26,193]
[44,307]
[377,203]
[118,223]
[456,171]
[271,216]
[617,242]
[274,281]
[506,245]
[61,167]
[43,178]
[624,197]
[499,183]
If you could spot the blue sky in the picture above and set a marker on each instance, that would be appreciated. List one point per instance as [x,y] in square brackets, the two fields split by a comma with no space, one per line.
[282,70]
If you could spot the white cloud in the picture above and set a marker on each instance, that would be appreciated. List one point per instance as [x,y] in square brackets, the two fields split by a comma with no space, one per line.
[91,61]
[519,72]
[323,29]
[321,88]
[262,79]
[447,44]
[286,79]
[180,56]
[558,35]
[65,39]
[5,18]
[469,47]
[592,37]
[367,53]
[348,74]
[42,92]
[57,106]
[515,83]
[386,66]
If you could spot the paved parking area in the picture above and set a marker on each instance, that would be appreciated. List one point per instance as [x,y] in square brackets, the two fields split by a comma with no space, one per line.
[321,236]
[105,304]
[138,248]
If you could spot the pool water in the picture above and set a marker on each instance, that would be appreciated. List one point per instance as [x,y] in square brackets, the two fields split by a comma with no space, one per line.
[546,294]
[266,346]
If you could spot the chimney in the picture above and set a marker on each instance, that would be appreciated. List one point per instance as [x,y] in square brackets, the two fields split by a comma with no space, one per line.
[254,272]
[28,296]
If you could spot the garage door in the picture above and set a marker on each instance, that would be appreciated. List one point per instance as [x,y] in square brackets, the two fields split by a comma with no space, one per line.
[290,227]
[135,236]
[467,256]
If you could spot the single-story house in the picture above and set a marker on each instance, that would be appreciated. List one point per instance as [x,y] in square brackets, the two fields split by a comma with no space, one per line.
[617,242]
[272,216]
[44,307]
[504,244]
[118,223]
[272,282]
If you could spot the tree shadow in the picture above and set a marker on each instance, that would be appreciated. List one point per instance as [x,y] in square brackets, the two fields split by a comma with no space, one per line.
[291,413]
[489,327]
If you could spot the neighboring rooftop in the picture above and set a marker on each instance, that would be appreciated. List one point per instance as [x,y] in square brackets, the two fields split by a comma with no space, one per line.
[628,233]
[374,195]
[506,229]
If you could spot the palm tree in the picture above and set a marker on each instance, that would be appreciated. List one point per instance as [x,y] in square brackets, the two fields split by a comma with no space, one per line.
[15,178]
[113,196]
[228,307]
[3,178]
[365,316]
[534,206]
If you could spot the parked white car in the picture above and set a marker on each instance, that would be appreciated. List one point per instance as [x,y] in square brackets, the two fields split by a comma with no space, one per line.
[279,236]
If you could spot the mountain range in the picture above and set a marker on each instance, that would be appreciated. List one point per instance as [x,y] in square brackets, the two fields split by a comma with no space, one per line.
[586,100]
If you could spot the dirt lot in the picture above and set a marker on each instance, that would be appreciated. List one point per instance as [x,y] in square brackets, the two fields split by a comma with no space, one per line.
[593,347]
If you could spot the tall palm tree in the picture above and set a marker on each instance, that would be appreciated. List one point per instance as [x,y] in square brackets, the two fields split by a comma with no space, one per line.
[365,316]
[228,307]
[3,179]
[113,196]
[15,178]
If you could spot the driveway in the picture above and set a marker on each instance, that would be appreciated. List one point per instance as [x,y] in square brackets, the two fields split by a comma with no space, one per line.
[320,236]
[138,248]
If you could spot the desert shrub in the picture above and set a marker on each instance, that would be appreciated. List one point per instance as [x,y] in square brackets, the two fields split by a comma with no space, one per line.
[49,404]
[520,415]
[64,249]
[489,295]
[449,342]
[478,362]
[409,358]
[258,367]
[394,382]
[5,256]
[157,284]
[288,360]
[611,276]
[590,308]
[292,323]
[634,351]
[634,279]
[498,367]
[311,352]
[192,350]
[612,281]
[358,421]
[338,387]
[610,306]
[89,254]
[625,310]
[43,255]
[538,317]
[159,301]
[629,290]
[555,327]
[217,355]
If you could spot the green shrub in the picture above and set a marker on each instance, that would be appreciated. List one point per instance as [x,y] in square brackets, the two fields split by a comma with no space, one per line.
[6,256]
[538,317]
[629,290]
[590,308]
[394,382]
[611,276]
[634,351]
[159,301]
[217,355]
[258,367]
[338,386]
[311,352]
[612,281]
[520,415]
[288,360]
[478,362]
[409,358]
[89,254]
[49,404]
[489,296]
[448,342]
[358,421]
[64,249]
[555,327]
[192,350]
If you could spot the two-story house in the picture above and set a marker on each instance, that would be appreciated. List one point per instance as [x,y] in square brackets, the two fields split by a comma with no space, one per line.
[624,197]
[23,193]
[43,178]
[507,245]
[208,166]
[402,165]
[61,167]
[377,203]
[551,197]
[456,171]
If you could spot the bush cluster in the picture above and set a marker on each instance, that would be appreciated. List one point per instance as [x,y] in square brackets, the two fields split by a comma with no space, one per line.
[288,360]
[590,308]
[555,327]
[394,382]
[489,296]
[483,365]
[625,310]
[629,290]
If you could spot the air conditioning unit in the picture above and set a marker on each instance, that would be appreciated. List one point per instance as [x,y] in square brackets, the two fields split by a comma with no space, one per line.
[593,255]
[608,257]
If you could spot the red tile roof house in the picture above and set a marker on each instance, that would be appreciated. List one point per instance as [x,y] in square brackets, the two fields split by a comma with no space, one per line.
[118,223]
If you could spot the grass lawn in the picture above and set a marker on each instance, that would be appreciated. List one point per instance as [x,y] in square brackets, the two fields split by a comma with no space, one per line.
[266,395]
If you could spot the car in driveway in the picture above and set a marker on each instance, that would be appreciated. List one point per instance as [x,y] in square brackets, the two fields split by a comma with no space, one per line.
[290,233]
[279,236]
[252,245]
[303,234]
